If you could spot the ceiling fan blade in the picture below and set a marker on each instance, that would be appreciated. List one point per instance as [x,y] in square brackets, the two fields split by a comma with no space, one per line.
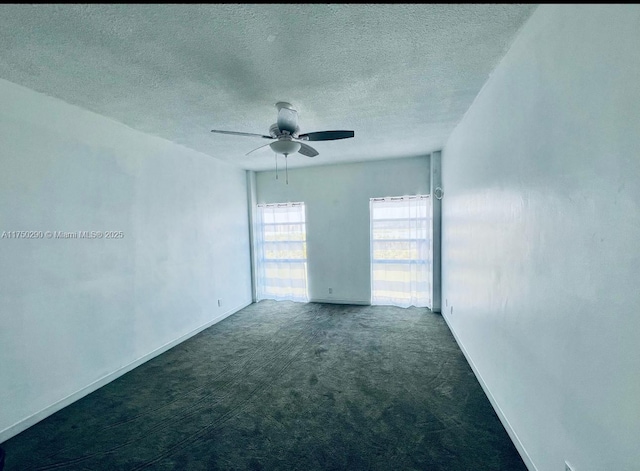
[326,135]
[307,150]
[242,134]
[257,148]
[288,120]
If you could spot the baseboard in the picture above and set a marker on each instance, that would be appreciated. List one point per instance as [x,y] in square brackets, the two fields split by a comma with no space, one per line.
[339,301]
[24,424]
[505,422]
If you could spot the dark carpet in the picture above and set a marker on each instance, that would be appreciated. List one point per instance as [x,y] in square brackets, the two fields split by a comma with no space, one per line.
[285,386]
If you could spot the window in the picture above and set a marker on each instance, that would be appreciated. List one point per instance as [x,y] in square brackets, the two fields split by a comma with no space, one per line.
[281,252]
[401,251]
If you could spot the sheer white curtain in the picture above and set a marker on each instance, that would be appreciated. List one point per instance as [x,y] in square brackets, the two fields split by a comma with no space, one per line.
[401,251]
[281,252]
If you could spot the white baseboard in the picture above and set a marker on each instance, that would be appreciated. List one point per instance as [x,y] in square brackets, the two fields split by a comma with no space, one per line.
[505,422]
[24,424]
[339,301]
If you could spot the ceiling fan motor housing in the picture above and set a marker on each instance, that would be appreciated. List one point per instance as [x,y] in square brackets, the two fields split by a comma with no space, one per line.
[275,131]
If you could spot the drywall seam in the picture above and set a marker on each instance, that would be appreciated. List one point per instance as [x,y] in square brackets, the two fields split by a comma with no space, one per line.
[505,422]
[339,301]
[24,424]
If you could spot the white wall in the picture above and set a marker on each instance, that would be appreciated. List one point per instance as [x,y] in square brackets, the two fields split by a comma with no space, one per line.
[76,313]
[337,203]
[541,236]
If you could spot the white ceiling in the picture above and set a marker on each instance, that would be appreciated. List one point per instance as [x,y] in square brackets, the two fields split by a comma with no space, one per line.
[401,76]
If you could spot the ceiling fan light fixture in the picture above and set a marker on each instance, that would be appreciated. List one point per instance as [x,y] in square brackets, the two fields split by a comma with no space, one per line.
[285,146]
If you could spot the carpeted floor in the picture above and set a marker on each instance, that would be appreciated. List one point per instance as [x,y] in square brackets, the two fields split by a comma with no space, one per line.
[285,386]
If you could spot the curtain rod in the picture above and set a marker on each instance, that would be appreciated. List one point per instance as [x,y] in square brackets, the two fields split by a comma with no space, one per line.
[273,205]
[398,198]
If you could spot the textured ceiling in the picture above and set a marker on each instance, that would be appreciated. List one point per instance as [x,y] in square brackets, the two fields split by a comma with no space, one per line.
[400,75]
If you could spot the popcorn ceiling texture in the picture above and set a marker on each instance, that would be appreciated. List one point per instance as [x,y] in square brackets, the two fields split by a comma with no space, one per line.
[400,76]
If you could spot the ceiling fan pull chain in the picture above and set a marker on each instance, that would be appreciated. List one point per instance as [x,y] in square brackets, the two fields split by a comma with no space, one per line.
[276,156]
[286,168]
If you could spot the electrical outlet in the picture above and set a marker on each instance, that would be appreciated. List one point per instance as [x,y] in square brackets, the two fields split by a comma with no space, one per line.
[451,310]
[568,467]
[446,302]
[330,290]
[219,302]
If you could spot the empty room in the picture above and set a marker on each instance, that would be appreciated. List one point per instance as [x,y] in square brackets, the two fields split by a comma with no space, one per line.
[319,237]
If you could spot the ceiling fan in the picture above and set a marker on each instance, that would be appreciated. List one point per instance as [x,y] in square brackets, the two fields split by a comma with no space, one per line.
[286,137]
